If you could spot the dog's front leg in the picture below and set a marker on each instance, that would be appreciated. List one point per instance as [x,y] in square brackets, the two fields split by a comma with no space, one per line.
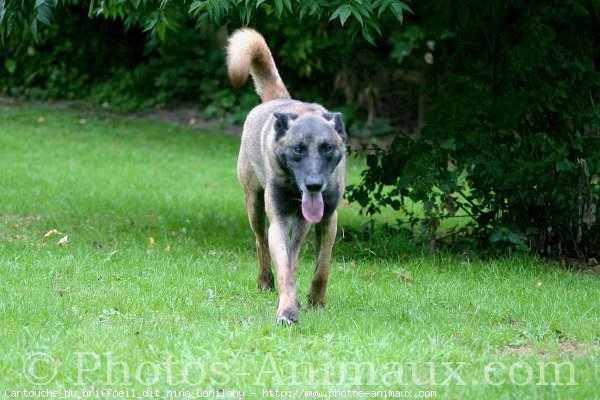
[285,237]
[326,231]
[279,243]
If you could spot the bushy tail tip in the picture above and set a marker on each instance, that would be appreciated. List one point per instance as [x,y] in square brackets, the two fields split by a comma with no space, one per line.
[248,54]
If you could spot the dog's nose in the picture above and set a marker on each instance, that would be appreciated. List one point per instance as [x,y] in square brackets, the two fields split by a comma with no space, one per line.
[314,183]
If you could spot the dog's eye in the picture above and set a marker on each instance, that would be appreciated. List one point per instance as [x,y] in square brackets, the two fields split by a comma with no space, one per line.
[298,149]
[327,148]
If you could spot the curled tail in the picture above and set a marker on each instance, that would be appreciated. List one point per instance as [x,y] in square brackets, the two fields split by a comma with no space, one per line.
[248,53]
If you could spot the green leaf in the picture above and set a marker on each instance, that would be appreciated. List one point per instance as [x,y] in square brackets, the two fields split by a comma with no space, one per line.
[34,29]
[288,5]
[368,35]
[363,8]
[44,14]
[91,8]
[279,7]
[10,65]
[302,12]
[357,16]
[197,6]
[448,144]
[446,34]
[373,24]
[564,165]
[268,9]
[161,31]
[405,7]
[151,21]
[383,5]
[343,12]
[397,8]
[496,237]
[514,238]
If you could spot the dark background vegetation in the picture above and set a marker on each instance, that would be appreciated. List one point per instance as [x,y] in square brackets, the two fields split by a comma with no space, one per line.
[489,108]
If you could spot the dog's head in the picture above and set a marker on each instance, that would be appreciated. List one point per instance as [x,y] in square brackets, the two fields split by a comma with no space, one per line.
[310,147]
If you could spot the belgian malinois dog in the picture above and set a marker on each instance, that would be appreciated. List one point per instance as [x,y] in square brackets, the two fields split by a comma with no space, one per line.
[291,166]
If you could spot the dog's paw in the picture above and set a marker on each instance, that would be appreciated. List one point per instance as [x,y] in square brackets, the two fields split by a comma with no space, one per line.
[288,317]
[266,283]
[316,300]
[266,286]
[284,321]
[316,303]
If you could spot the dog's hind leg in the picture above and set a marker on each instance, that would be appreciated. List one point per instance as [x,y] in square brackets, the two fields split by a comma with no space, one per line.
[255,204]
[325,238]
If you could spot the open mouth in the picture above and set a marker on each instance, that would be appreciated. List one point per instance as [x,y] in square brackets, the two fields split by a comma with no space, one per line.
[312,206]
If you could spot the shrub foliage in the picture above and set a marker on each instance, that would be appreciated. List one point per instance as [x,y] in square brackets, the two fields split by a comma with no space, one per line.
[511,139]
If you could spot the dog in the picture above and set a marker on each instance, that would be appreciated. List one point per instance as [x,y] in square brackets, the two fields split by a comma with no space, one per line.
[291,167]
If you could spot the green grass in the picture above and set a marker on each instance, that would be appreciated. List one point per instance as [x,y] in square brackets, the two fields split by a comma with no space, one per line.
[109,302]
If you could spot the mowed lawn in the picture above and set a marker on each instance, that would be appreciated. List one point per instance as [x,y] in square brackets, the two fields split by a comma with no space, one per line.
[156,286]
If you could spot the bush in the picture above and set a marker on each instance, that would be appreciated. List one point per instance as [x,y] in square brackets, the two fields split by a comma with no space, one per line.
[512,138]
[98,60]
[163,53]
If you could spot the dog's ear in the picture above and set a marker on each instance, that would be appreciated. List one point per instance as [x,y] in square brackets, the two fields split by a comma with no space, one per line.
[282,123]
[336,119]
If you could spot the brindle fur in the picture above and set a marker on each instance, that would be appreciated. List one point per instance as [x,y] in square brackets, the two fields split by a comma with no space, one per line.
[272,176]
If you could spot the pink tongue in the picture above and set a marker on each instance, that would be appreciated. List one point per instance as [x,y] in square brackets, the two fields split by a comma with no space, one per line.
[312,207]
